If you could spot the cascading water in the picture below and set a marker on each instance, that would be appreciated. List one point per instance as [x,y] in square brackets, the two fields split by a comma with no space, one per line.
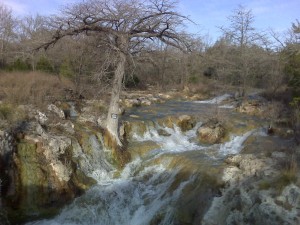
[175,141]
[163,188]
[216,100]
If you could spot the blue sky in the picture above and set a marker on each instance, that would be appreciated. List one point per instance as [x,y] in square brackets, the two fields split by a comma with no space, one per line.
[208,14]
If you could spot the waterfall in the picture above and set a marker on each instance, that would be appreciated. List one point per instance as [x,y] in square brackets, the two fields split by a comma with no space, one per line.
[148,190]
[175,141]
[128,200]
[235,144]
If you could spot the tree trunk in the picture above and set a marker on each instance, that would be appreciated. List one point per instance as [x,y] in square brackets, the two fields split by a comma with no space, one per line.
[112,122]
[185,72]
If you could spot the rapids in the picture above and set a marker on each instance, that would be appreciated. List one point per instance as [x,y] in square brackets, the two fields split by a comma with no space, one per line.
[172,183]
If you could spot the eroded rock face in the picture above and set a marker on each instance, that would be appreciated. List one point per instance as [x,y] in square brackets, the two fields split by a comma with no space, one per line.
[46,161]
[251,196]
[41,176]
[211,132]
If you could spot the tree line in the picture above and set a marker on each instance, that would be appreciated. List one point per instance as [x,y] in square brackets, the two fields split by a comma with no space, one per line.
[242,55]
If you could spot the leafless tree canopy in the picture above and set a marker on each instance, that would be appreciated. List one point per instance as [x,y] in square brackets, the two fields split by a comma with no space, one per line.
[136,20]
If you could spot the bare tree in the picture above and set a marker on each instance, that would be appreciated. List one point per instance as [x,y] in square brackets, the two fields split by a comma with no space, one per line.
[122,25]
[7,26]
[32,31]
[243,35]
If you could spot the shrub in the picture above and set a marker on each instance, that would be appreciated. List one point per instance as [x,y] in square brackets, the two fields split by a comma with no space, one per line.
[11,113]
[44,65]
[66,70]
[210,72]
[19,65]
[131,81]
[193,79]
[6,111]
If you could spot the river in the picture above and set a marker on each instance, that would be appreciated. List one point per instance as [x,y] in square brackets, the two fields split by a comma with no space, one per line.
[173,182]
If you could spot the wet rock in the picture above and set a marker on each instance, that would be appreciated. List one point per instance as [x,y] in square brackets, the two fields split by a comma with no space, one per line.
[165,96]
[41,172]
[163,132]
[252,107]
[145,102]
[140,149]
[186,122]
[211,132]
[134,128]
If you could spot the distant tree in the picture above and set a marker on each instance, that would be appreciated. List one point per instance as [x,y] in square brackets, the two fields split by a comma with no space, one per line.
[122,25]
[292,52]
[7,32]
[32,30]
[243,35]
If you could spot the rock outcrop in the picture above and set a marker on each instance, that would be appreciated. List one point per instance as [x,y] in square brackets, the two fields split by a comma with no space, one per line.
[211,132]
[256,193]
[47,160]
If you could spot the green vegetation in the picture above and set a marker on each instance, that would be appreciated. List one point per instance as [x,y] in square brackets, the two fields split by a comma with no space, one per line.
[19,65]
[44,65]
[6,111]
[66,69]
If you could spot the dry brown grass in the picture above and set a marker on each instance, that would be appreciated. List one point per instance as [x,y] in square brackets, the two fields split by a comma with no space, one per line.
[32,87]
[288,173]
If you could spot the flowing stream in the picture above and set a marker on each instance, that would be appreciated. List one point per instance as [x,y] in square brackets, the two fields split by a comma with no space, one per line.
[171,183]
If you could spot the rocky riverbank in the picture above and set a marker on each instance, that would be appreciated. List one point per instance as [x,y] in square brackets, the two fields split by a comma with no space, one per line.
[50,155]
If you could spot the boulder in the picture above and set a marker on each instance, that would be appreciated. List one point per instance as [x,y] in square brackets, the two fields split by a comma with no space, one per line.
[131,129]
[41,117]
[42,171]
[211,132]
[186,122]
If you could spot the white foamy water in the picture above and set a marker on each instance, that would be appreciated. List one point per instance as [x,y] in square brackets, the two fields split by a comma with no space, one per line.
[145,193]
[226,106]
[177,141]
[235,145]
[216,100]
[128,200]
